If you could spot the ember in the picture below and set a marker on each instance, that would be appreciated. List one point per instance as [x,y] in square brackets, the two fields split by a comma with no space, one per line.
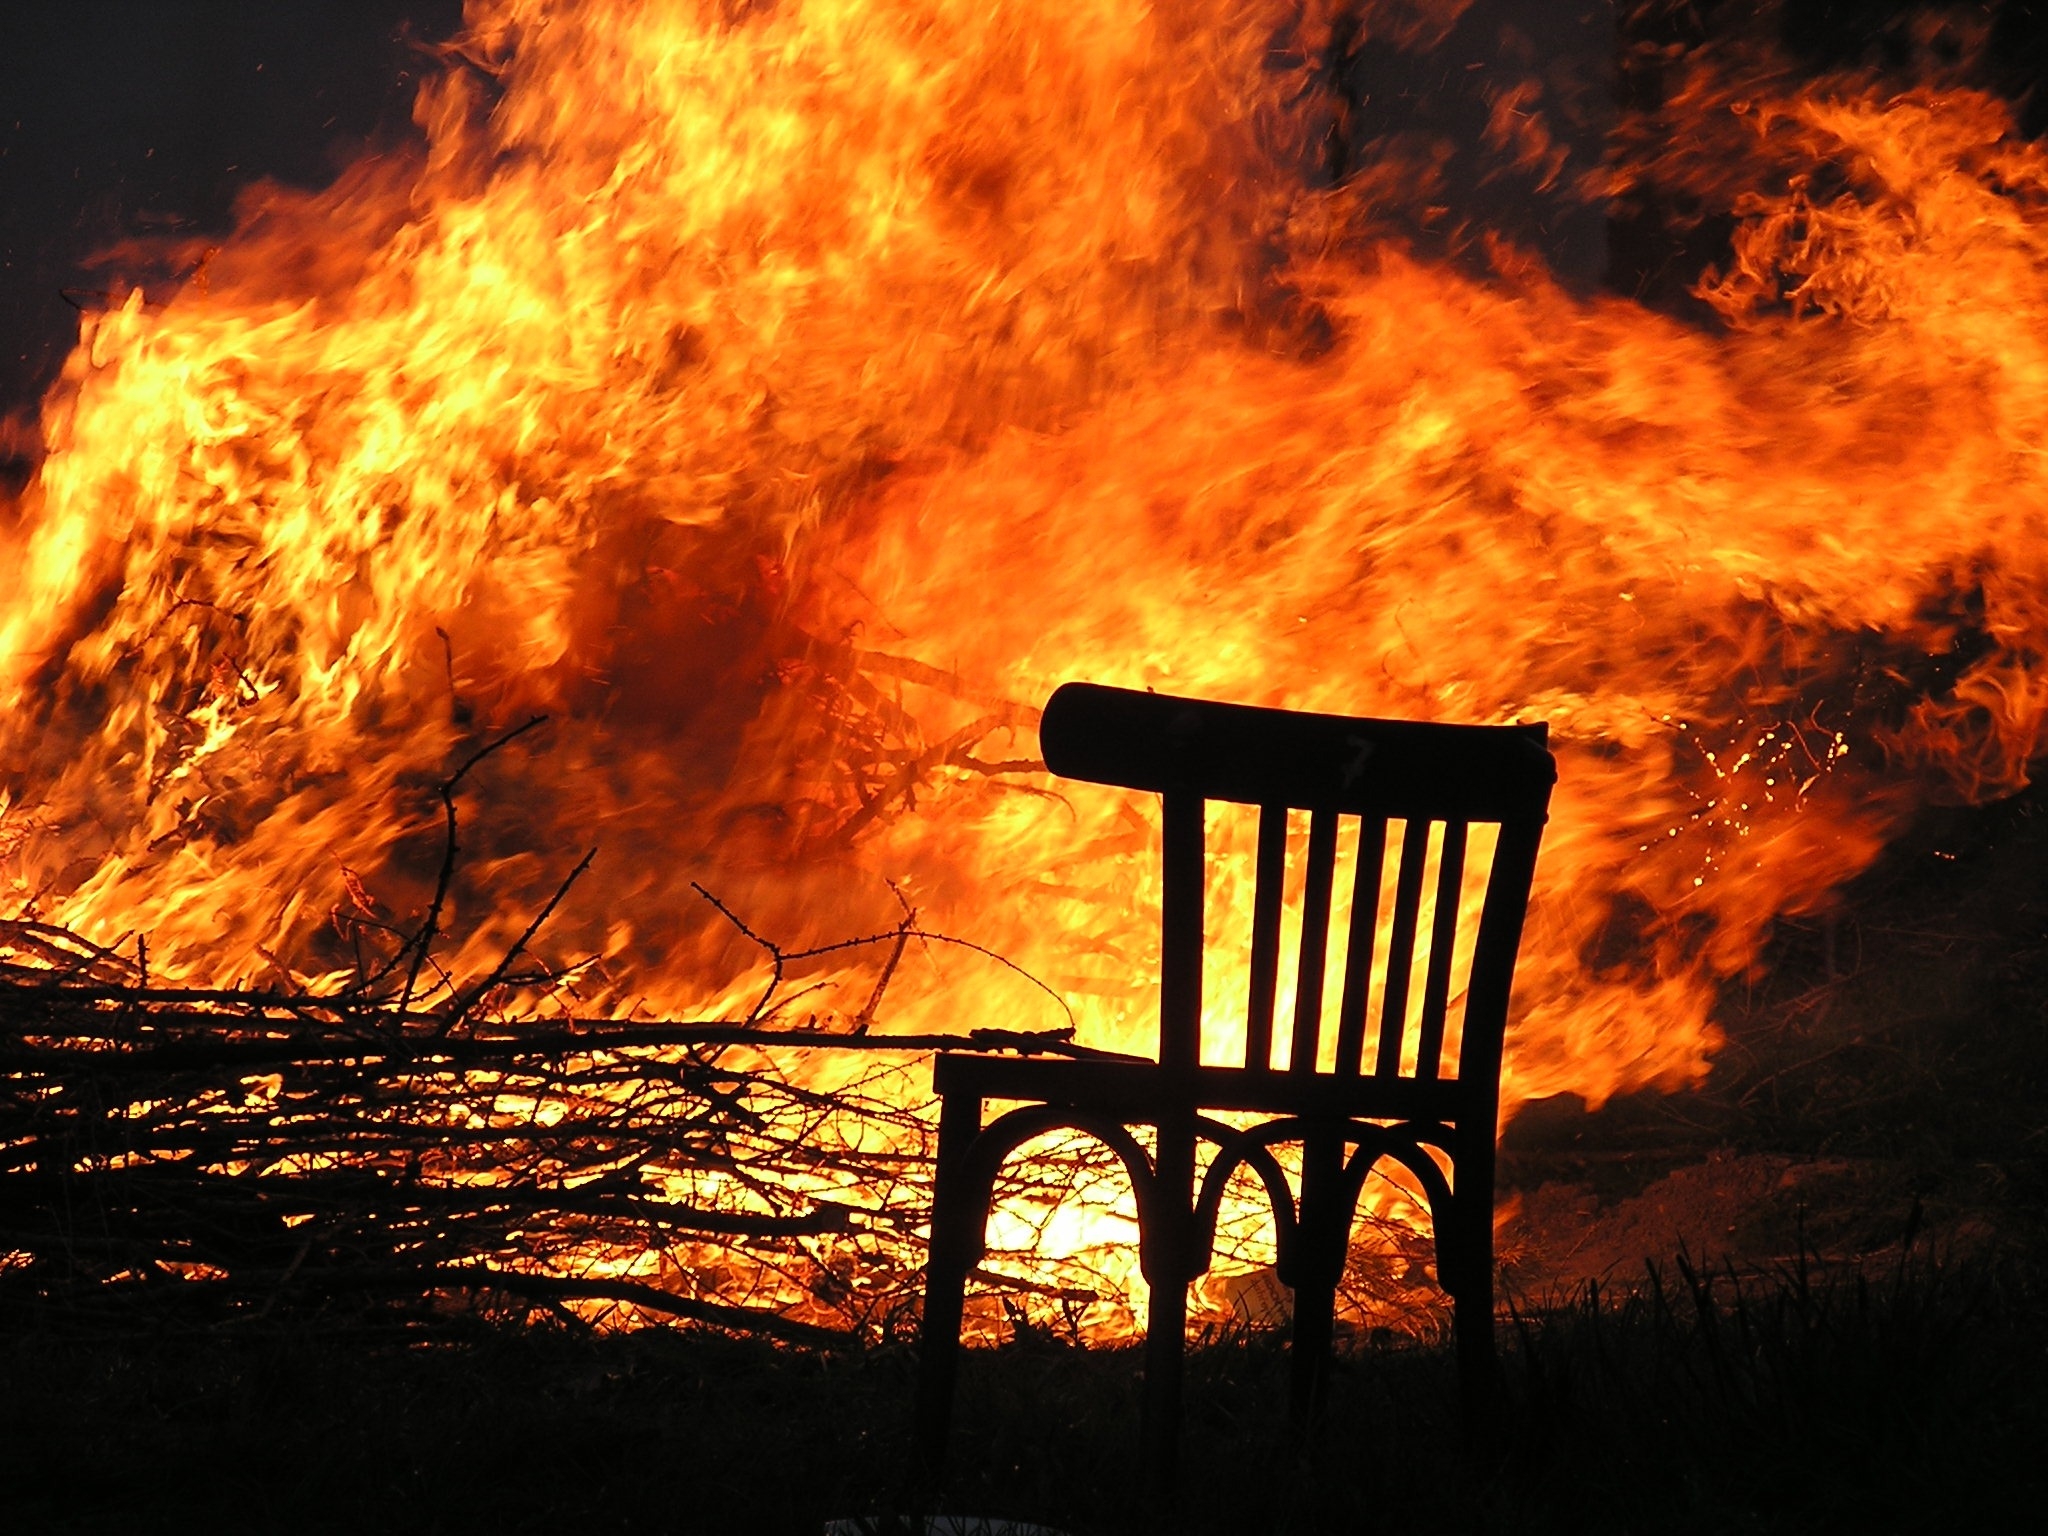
[783,399]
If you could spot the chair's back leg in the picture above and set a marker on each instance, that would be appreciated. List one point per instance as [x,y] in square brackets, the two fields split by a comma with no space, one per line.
[1170,1264]
[1477,1367]
[1465,1264]
[955,1230]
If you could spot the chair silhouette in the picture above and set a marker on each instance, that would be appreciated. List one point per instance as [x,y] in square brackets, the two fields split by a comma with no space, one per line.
[1439,783]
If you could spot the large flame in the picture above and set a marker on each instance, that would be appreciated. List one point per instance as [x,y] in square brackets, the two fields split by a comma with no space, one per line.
[783,398]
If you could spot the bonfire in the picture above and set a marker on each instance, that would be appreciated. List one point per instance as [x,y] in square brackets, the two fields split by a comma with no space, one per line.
[488,643]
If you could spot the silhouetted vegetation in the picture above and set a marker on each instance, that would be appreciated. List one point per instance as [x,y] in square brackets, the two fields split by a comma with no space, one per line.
[1906,1400]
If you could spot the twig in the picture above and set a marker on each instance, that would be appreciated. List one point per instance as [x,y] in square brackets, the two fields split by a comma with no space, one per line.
[781,957]
[430,926]
[866,1017]
[459,1007]
[775,957]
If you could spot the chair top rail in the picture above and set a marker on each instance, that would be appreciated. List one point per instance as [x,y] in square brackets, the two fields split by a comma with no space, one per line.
[1397,768]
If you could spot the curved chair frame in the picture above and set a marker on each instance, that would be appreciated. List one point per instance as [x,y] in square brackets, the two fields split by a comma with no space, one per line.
[1347,1120]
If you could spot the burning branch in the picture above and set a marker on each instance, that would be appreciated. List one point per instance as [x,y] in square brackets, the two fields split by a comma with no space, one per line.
[414,952]
[766,1006]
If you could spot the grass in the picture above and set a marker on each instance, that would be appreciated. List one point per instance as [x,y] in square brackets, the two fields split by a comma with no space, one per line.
[1906,1401]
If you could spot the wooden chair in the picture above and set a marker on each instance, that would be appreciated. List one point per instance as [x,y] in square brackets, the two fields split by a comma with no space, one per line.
[1438,782]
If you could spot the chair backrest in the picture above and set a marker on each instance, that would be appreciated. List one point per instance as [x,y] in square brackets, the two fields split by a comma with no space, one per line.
[1452,777]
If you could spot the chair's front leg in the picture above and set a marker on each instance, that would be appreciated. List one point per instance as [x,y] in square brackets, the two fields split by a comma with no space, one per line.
[955,1243]
[1322,1242]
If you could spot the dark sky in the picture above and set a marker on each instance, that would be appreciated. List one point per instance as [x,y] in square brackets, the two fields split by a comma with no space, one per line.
[128,117]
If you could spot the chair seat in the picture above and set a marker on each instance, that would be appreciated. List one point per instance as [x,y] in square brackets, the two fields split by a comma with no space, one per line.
[1143,1089]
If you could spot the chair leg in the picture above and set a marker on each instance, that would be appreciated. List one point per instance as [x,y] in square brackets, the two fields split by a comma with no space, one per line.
[1315,1306]
[1159,1428]
[1170,1264]
[1472,1321]
[1323,1238]
[949,1258]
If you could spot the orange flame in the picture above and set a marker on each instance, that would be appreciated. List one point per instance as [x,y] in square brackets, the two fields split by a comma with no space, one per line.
[784,398]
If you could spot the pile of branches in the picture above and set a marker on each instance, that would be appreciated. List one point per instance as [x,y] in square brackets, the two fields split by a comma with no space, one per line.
[430,1149]
[228,1153]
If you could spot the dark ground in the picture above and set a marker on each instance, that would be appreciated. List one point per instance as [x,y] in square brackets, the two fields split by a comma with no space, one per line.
[1911,1404]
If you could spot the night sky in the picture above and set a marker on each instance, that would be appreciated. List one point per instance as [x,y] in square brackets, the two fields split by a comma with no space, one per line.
[126,118]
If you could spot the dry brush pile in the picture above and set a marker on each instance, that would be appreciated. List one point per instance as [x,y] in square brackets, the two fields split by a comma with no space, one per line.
[413,1145]
[214,1154]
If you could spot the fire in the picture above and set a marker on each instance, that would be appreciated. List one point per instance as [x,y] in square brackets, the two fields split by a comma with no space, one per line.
[783,398]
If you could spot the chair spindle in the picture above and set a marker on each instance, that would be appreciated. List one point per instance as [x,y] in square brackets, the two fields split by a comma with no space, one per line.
[1268,891]
[1315,939]
[1180,922]
[1443,938]
[1401,948]
[1365,925]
